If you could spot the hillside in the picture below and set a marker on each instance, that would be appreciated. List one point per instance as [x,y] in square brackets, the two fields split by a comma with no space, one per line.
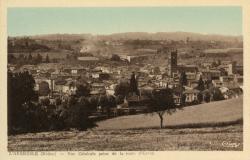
[123,44]
[176,36]
[118,134]
[209,113]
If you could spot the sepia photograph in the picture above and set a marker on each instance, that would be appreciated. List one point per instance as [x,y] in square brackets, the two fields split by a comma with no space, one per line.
[158,78]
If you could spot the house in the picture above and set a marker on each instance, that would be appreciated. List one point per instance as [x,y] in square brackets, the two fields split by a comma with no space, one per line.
[192,69]
[97,92]
[135,101]
[74,70]
[95,73]
[88,59]
[158,77]
[173,84]
[39,79]
[225,92]
[136,58]
[191,76]
[191,95]
[235,87]
[239,79]
[103,69]
[238,69]
[217,83]
[229,78]
[178,91]
[177,100]
[163,83]
[211,74]
[110,89]
[97,85]
[192,79]
[97,88]
[207,64]
[226,62]
[69,88]
[58,84]
[104,76]
[229,68]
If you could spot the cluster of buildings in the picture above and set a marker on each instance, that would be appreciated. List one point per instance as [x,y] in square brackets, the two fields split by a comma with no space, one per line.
[61,79]
[226,75]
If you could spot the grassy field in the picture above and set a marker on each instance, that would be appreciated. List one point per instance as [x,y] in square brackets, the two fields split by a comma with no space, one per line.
[226,50]
[212,138]
[213,126]
[208,114]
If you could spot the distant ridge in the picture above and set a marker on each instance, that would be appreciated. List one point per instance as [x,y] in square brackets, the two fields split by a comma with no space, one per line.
[171,36]
[177,36]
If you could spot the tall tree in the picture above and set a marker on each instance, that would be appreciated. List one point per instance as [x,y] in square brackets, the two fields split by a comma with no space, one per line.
[44,89]
[47,59]
[93,102]
[115,57]
[156,70]
[200,97]
[183,79]
[134,84]
[161,102]
[207,95]
[208,84]
[82,88]
[11,58]
[122,89]
[39,58]
[107,102]
[216,94]
[20,92]
[201,84]
[77,113]
[30,57]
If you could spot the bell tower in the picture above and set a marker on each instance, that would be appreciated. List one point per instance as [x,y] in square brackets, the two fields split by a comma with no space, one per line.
[172,63]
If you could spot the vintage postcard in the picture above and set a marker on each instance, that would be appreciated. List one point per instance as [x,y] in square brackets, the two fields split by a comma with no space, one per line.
[124,81]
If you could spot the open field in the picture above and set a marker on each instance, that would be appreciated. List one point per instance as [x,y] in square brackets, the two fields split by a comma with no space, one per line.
[208,114]
[227,50]
[213,138]
[213,126]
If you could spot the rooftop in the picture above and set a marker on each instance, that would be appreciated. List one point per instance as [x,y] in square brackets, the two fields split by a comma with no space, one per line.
[87,58]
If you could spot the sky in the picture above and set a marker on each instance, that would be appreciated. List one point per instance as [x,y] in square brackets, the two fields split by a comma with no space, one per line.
[108,20]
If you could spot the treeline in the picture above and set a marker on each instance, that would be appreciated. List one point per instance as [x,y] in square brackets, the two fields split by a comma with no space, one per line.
[26,113]
[141,42]
[25,45]
[22,59]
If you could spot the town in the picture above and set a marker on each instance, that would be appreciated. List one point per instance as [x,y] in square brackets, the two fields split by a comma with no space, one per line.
[98,76]
[125,78]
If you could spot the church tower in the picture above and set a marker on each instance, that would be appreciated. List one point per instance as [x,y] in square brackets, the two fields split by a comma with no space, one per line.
[172,63]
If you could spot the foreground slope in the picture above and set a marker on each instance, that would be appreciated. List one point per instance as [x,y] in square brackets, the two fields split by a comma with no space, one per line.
[226,111]
[115,134]
[211,138]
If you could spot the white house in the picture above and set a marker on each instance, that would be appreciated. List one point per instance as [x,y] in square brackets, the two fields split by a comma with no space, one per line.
[191,95]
